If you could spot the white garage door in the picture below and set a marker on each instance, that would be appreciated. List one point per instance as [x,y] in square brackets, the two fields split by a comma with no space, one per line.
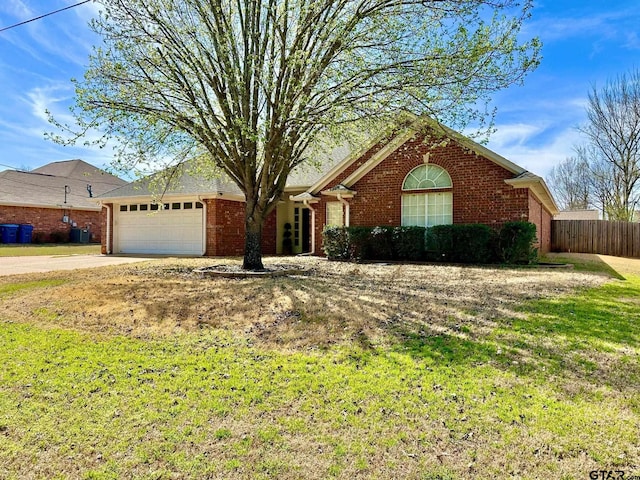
[178,228]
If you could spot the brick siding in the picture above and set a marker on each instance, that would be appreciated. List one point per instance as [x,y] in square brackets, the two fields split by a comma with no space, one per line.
[46,221]
[479,192]
[539,216]
[225,229]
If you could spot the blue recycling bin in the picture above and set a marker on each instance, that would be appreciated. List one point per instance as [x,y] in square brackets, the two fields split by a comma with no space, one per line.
[9,233]
[24,233]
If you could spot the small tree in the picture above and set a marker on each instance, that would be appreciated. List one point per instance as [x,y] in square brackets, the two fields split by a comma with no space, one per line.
[249,86]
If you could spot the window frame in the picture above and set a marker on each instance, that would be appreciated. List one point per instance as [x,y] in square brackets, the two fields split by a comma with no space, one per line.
[427,167]
[422,205]
[332,204]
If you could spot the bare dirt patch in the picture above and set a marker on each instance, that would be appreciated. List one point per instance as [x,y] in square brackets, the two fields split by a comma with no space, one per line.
[332,303]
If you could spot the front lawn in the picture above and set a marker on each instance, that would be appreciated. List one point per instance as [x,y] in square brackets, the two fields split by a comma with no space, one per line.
[352,371]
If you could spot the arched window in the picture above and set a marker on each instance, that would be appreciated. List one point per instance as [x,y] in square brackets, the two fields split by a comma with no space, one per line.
[424,208]
[425,177]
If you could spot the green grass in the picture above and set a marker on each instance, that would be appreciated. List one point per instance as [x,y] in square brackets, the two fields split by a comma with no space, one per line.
[24,250]
[550,393]
[14,287]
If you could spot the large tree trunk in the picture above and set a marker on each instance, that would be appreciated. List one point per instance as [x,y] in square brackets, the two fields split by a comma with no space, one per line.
[253,242]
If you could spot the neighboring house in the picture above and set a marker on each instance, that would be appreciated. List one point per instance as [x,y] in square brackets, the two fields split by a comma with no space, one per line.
[56,197]
[415,177]
[577,215]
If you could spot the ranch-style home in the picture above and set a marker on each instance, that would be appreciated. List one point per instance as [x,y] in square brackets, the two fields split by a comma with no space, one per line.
[55,198]
[425,175]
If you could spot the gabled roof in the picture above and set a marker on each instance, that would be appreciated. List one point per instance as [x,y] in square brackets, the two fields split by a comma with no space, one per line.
[522,179]
[538,186]
[41,189]
[404,135]
[305,175]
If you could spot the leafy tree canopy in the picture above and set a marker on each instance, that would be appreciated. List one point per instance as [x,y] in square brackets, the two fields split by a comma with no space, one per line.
[250,85]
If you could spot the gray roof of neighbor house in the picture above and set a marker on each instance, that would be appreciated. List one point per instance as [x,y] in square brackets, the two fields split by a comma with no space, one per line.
[186,182]
[45,186]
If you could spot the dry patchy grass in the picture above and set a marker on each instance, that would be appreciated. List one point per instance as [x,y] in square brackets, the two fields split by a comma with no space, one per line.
[335,303]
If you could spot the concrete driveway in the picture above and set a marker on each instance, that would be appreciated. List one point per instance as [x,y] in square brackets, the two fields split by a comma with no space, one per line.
[18,265]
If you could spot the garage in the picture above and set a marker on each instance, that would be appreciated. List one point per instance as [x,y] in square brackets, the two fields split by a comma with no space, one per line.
[175,228]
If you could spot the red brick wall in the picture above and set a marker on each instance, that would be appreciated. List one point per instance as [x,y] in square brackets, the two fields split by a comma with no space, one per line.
[479,192]
[45,221]
[542,220]
[225,229]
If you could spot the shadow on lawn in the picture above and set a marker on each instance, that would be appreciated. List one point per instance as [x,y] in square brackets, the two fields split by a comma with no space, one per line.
[590,337]
[444,315]
[584,262]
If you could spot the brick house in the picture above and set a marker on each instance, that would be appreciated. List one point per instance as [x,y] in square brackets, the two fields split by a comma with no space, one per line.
[424,174]
[55,197]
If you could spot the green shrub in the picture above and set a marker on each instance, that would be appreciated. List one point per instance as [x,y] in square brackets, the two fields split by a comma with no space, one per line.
[373,243]
[466,243]
[408,242]
[473,243]
[439,243]
[38,237]
[516,243]
[381,243]
[358,243]
[287,242]
[335,243]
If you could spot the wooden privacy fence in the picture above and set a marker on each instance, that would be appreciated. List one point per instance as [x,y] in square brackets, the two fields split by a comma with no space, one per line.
[621,239]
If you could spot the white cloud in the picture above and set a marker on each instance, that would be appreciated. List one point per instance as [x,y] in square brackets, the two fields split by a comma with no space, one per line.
[23,124]
[532,152]
[510,136]
[89,11]
[41,99]
[16,8]
[633,42]
[562,28]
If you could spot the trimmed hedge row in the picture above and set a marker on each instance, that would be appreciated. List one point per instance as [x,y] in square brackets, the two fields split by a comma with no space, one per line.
[469,243]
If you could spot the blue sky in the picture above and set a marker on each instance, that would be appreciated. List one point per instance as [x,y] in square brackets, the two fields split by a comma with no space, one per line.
[585,43]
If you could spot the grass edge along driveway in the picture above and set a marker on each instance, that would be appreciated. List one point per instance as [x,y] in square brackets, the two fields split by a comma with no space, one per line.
[29,250]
